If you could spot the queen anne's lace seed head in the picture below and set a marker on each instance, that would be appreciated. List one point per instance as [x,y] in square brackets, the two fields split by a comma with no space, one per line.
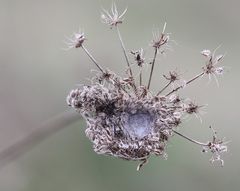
[129,128]
[128,120]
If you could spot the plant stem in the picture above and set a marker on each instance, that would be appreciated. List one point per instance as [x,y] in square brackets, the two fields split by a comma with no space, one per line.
[92,58]
[124,51]
[99,67]
[140,77]
[164,88]
[191,140]
[188,82]
[127,59]
[151,72]
[35,136]
[144,161]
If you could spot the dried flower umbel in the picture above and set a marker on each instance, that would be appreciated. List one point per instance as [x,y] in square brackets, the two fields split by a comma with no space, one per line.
[124,117]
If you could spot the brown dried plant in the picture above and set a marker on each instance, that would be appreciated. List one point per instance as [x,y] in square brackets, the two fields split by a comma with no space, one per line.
[124,117]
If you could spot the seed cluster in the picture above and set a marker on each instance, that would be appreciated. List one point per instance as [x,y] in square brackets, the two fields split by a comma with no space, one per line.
[124,117]
[123,124]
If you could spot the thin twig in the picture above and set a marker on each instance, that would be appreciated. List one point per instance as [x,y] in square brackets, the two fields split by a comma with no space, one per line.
[140,77]
[151,72]
[165,87]
[188,82]
[92,58]
[100,68]
[124,51]
[127,59]
[35,136]
[144,161]
[191,140]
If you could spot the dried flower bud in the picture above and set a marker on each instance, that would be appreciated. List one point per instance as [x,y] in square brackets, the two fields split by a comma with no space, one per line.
[216,147]
[112,18]
[173,76]
[211,68]
[160,39]
[76,40]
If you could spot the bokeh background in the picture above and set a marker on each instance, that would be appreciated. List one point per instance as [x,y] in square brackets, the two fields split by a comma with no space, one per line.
[36,74]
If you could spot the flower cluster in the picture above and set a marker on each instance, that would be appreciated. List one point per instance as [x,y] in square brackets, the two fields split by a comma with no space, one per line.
[124,117]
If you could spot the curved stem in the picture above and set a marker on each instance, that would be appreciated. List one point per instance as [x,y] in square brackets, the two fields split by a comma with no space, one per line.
[191,140]
[35,136]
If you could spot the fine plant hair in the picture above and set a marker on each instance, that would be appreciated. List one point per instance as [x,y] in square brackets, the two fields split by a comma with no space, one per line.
[124,117]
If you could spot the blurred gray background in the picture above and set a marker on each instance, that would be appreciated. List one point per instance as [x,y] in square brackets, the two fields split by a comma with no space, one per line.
[36,75]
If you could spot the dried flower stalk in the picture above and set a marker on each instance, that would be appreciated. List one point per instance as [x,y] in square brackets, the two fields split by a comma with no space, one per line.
[129,121]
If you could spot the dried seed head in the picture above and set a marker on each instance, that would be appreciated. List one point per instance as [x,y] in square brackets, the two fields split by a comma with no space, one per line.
[191,108]
[112,18]
[130,121]
[76,40]
[129,128]
[216,147]
[160,40]
[172,77]
[211,68]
